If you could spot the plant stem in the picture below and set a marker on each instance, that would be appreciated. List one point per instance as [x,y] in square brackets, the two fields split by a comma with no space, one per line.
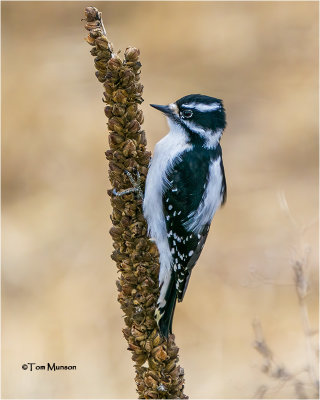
[158,374]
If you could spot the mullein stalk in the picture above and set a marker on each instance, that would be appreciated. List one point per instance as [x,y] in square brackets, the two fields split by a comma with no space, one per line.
[158,374]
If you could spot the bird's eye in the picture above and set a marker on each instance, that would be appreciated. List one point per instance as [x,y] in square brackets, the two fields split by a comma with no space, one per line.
[186,114]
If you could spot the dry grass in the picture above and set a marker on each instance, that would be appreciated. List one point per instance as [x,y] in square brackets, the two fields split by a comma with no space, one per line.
[304,379]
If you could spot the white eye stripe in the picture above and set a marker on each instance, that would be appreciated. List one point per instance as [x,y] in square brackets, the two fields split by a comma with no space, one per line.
[203,107]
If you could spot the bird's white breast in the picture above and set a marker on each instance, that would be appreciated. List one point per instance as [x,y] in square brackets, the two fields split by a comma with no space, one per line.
[167,151]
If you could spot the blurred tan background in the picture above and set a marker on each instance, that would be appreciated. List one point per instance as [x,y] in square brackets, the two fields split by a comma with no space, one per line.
[58,281]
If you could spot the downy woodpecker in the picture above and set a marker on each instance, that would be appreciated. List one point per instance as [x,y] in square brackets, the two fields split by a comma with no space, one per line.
[184,188]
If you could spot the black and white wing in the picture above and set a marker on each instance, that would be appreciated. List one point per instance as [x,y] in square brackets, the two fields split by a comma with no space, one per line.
[196,189]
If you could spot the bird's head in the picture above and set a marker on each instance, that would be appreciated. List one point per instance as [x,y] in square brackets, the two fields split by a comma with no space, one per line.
[202,118]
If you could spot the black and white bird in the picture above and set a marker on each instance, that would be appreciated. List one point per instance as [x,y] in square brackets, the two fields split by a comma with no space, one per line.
[184,188]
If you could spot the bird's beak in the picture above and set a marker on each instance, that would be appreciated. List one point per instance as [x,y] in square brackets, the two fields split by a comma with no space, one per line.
[165,109]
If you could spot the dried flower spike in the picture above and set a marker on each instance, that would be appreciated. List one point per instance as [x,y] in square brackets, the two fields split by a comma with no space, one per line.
[158,374]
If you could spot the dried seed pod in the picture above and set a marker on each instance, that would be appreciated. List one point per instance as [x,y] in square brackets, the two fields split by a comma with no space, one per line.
[153,365]
[133,126]
[114,64]
[120,96]
[109,113]
[157,340]
[129,149]
[100,64]
[159,353]
[114,124]
[115,138]
[116,232]
[150,382]
[95,33]
[109,88]
[91,14]
[131,54]
[90,40]
[131,111]
[103,43]
[118,110]
[139,117]
[139,359]
[170,366]
[127,77]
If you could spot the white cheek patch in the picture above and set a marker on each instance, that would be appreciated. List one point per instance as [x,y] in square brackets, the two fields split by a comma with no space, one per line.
[211,137]
[197,129]
[204,107]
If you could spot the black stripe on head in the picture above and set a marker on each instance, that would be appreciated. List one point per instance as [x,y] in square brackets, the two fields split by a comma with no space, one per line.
[207,112]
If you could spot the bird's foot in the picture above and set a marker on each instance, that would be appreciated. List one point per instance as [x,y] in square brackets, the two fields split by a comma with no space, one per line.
[136,186]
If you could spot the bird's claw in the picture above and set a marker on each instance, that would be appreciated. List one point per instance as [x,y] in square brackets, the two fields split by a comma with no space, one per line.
[136,186]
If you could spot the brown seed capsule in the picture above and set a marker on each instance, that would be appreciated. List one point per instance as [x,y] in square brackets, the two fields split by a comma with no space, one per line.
[149,301]
[108,88]
[101,77]
[103,43]
[157,340]
[119,96]
[118,110]
[153,364]
[144,158]
[139,117]
[153,249]
[151,382]
[159,353]
[142,138]
[170,366]
[135,348]
[94,51]
[150,394]
[90,40]
[131,111]
[115,139]
[129,149]
[100,65]
[133,126]
[95,33]
[108,111]
[148,345]
[91,13]
[139,359]
[114,64]
[116,232]
[173,351]
[127,77]
[114,124]
[92,25]
[131,54]
[139,88]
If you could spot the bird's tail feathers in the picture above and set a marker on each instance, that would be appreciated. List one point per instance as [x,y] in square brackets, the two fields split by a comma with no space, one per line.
[165,308]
